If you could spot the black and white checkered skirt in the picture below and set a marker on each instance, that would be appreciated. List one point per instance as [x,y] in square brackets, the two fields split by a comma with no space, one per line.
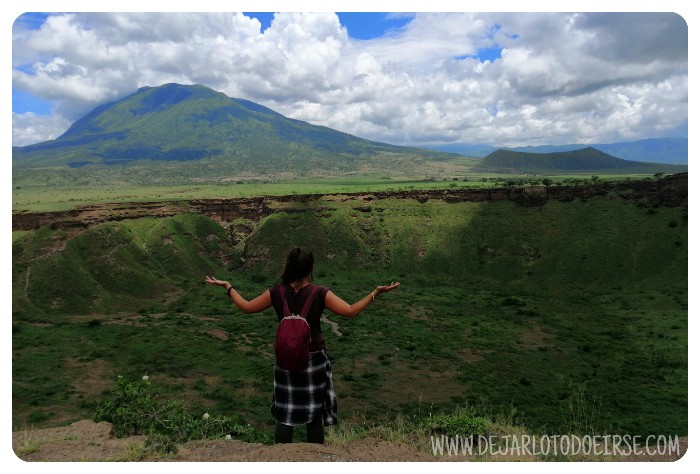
[302,396]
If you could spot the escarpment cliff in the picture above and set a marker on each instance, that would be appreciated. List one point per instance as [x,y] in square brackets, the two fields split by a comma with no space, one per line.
[670,191]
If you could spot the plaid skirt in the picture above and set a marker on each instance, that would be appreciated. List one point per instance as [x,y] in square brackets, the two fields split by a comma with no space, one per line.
[302,396]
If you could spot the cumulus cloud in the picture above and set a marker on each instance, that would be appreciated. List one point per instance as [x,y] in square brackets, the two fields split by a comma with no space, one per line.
[559,78]
[30,128]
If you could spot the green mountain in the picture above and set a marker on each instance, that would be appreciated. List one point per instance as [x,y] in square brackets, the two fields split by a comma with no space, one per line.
[177,123]
[584,160]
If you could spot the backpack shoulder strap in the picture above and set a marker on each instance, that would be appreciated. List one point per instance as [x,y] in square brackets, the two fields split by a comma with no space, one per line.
[285,306]
[308,302]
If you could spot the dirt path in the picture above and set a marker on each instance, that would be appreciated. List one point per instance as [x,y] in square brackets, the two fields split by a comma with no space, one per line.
[89,441]
[334,325]
[26,283]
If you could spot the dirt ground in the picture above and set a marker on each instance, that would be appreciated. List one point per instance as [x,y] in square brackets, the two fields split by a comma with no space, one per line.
[89,441]
[86,441]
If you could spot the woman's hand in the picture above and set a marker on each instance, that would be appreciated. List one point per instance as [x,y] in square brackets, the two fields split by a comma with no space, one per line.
[384,288]
[214,281]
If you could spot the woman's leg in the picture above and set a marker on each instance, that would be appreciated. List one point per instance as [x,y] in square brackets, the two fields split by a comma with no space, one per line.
[283,433]
[314,431]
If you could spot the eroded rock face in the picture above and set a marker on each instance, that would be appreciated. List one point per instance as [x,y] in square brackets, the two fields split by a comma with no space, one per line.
[670,191]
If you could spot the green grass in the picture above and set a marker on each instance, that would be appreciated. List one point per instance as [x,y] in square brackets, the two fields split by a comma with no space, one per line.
[27,446]
[572,315]
[49,190]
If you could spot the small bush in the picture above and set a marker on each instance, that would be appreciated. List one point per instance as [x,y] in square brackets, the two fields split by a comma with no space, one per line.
[459,424]
[512,301]
[159,443]
[258,278]
[133,409]
[38,416]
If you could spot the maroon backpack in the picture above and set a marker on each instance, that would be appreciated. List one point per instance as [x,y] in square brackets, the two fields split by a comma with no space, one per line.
[293,336]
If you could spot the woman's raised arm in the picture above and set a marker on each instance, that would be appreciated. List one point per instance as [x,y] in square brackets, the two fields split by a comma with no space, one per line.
[342,308]
[256,305]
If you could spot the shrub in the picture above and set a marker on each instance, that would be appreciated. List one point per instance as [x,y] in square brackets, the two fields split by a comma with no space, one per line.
[39,416]
[133,409]
[158,443]
[258,278]
[459,424]
[512,301]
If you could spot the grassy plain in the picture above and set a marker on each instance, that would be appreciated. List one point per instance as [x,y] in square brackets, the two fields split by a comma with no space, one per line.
[566,317]
[35,196]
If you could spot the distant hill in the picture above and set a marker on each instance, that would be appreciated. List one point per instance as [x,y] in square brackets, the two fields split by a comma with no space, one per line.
[474,151]
[176,123]
[586,159]
[651,150]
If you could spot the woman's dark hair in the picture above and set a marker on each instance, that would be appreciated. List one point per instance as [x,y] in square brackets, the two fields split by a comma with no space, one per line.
[300,264]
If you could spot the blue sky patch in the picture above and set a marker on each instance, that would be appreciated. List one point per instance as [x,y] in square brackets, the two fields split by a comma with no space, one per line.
[490,54]
[31,20]
[364,26]
[23,102]
[360,25]
[484,54]
[265,18]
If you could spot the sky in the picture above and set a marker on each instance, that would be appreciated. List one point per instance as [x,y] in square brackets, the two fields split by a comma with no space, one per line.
[423,78]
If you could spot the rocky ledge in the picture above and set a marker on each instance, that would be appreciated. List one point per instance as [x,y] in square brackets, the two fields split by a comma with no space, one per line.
[670,191]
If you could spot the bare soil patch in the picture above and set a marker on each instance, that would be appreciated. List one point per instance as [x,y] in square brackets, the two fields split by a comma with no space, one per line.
[473,355]
[89,441]
[218,334]
[535,337]
[333,324]
[82,441]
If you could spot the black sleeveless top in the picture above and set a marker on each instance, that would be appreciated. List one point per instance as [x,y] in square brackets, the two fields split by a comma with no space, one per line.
[296,301]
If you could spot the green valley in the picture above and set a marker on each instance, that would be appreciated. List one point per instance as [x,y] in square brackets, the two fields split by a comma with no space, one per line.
[566,312]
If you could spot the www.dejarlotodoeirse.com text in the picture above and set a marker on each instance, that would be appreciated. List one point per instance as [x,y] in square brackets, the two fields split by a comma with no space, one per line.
[555,445]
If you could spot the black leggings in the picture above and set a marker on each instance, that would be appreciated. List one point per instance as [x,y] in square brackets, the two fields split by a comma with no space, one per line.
[314,432]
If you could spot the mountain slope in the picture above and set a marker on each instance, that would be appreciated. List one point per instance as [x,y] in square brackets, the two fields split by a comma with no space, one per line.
[648,150]
[671,150]
[586,159]
[657,150]
[177,123]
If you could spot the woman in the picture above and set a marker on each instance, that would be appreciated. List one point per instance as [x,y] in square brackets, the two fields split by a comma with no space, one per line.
[304,397]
